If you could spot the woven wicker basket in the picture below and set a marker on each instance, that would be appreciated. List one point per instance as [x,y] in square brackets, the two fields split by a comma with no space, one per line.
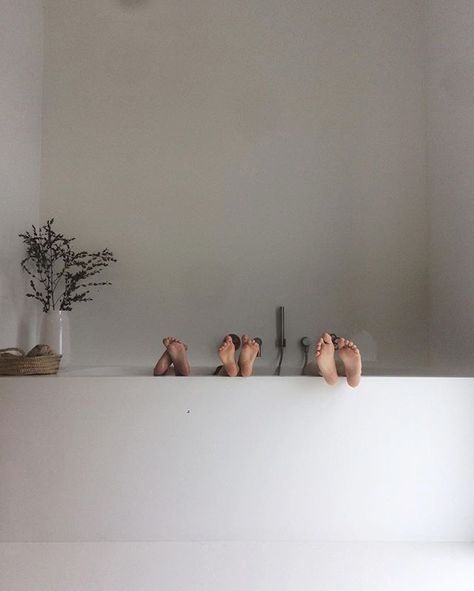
[14,362]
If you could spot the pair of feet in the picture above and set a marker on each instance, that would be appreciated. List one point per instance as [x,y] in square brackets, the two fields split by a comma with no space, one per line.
[349,355]
[175,354]
[248,354]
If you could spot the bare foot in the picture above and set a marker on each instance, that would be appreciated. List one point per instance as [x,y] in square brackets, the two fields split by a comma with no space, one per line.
[164,362]
[177,350]
[248,354]
[162,365]
[227,355]
[325,359]
[350,356]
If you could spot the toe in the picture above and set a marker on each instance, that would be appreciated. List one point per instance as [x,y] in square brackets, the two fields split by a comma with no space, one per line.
[327,338]
[319,345]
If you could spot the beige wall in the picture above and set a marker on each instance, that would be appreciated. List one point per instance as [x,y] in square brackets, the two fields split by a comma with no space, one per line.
[20,144]
[237,156]
[451,173]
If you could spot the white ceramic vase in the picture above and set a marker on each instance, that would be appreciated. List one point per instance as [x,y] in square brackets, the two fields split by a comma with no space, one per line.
[55,333]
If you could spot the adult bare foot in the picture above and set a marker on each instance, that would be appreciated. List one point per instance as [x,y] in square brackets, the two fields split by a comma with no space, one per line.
[227,355]
[248,354]
[177,350]
[324,358]
[350,356]
[163,364]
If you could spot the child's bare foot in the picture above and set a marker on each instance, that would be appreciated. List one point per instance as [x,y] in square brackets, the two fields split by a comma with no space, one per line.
[177,351]
[325,358]
[350,356]
[163,364]
[227,355]
[248,354]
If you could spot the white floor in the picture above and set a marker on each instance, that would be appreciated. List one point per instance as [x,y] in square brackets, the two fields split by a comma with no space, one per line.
[236,566]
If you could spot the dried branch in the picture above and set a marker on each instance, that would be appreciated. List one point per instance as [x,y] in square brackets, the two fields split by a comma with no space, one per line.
[58,274]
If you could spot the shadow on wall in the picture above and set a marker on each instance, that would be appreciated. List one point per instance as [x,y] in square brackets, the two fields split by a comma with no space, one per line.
[367,344]
[17,314]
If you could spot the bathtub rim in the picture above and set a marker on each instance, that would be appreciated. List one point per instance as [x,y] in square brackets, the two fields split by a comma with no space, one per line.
[141,372]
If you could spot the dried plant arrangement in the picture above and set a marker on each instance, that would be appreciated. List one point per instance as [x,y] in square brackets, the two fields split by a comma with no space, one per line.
[60,276]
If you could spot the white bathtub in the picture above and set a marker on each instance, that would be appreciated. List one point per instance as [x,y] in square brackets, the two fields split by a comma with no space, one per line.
[94,457]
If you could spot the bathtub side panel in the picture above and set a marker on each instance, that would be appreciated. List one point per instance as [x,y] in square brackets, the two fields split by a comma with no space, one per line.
[186,459]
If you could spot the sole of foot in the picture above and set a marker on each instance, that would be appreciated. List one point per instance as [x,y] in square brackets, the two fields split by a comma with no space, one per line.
[178,352]
[350,356]
[226,354]
[163,364]
[248,354]
[324,358]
